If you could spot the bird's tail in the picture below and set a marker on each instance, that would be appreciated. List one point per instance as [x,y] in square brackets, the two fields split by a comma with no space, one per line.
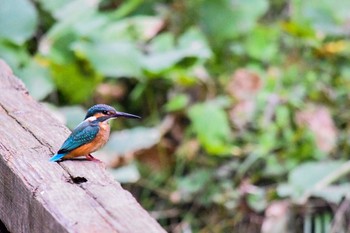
[57,157]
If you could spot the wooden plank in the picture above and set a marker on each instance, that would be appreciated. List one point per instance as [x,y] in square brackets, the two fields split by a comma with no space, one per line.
[39,196]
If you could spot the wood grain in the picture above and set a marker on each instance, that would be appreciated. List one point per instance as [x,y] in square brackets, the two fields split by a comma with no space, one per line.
[40,196]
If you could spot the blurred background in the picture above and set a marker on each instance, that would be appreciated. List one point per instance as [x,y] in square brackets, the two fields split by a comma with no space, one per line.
[245,104]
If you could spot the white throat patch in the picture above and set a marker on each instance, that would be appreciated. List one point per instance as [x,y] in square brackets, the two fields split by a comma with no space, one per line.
[92,118]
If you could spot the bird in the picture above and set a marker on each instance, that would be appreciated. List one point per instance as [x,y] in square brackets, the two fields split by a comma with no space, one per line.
[91,134]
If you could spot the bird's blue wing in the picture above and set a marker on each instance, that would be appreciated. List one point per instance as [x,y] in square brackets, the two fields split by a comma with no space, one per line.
[85,132]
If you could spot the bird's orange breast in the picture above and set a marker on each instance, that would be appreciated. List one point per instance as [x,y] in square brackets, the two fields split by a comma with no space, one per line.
[99,141]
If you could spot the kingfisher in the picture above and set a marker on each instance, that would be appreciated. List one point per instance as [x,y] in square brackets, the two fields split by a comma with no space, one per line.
[91,134]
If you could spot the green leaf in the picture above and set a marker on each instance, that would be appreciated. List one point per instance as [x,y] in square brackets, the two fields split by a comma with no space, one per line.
[210,123]
[333,193]
[76,10]
[37,80]
[117,59]
[191,184]
[226,19]
[53,6]
[77,84]
[306,176]
[73,115]
[132,140]
[162,43]
[177,103]
[15,56]
[136,28]
[126,8]
[184,76]
[323,15]
[57,42]
[164,54]
[257,200]
[157,63]
[18,20]
[283,116]
[126,174]
[262,44]
[57,48]
[194,44]
[91,27]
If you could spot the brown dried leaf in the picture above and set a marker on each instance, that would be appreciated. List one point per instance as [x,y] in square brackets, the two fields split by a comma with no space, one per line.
[189,149]
[276,218]
[244,84]
[107,92]
[319,121]
[242,113]
[152,31]
[158,157]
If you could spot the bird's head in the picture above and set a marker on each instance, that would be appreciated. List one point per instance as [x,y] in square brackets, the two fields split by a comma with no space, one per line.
[105,112]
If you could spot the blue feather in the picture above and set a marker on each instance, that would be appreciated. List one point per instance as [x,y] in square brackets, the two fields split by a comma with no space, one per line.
[84,133]
[56,157]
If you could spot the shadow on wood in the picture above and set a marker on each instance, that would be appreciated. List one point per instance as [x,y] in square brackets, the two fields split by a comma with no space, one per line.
[3,228]
[40,196]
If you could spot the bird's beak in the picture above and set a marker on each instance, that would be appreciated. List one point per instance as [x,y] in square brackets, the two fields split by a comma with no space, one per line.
[127,115]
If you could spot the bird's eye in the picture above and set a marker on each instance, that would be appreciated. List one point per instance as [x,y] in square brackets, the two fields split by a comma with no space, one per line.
[105,112]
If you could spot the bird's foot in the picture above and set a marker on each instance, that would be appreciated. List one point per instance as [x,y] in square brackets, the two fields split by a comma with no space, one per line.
[92,158]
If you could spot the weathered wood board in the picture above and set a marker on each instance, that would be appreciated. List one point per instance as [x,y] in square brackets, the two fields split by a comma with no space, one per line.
[40,196]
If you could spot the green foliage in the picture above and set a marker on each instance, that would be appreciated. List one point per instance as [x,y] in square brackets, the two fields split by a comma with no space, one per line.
[18,20]
[243,102]
[73,114]
[40,86]
[324,15]
[116,59]
[262,44]
[178,102]
[165,54]
[224,19]
[307,176]
[126,174]
[190,185]
[15,56]
[135,139]
[76,85]
[211,126]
